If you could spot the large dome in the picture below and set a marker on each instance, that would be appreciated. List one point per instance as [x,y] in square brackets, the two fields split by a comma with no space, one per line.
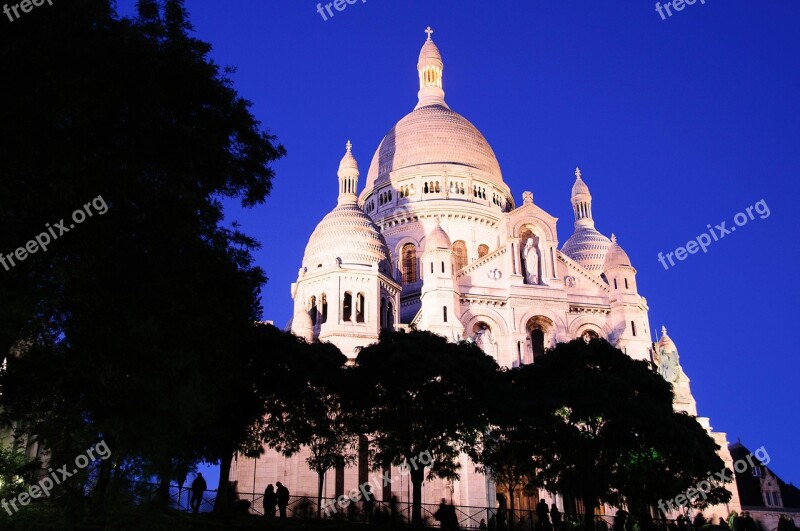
[433,134]
[346,236]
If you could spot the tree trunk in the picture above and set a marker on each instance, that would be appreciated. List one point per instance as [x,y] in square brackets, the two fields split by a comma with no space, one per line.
[417,477]
[589,504]
[221,503]
[320,484]
[101,487]
[510,507]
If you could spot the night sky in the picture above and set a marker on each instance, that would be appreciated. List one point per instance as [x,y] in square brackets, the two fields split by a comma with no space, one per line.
[676,124]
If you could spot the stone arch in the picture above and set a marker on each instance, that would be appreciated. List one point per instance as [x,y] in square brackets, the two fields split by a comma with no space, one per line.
[544,229]
[586,323]
[491,317]
[540,335]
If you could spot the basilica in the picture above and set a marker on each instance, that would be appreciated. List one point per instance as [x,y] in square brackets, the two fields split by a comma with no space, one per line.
[434,240]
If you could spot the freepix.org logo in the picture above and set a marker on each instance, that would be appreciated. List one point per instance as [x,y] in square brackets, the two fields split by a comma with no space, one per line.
[714,234]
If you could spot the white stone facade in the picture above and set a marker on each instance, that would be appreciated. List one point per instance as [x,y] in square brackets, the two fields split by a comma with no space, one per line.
[435,240]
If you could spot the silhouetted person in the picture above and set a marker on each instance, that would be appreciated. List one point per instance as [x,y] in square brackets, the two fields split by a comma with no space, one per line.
[492,523]
[367,502]
[699,521]
[683,523]
[735,521]
[749,523]
[198,489]
[555,516]
[722,522]
[620,520]
[482,525]
[446,516]
[270,501]
[393,508]
[282,497]
[542,515]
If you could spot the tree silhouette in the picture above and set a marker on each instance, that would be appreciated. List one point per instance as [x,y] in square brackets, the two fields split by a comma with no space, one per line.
[308,412]
[417,393]
[133,325]
[612,428]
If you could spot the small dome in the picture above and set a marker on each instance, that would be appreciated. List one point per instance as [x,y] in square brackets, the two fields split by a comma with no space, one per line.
[429,55]
[616,256]
[303,326]
[437,239]
[580,188]
[348,165]
[588,247]
[346,236]
[665,343]
[433,134]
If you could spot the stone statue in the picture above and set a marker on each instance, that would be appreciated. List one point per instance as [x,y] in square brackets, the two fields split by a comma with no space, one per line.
[483,338]
[530,257]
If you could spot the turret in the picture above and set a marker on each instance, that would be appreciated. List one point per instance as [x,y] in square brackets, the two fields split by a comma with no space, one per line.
[430,68]
[439,297]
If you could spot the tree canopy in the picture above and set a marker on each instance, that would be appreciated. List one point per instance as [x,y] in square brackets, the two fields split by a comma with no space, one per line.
[418,393]
[133,325]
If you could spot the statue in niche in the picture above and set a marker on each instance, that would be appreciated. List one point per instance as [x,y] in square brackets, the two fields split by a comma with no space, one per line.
[530,258]
[669,367]
[483,338]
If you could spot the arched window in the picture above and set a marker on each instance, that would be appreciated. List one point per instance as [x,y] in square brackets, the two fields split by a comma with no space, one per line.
[347,307]
[460,254]
[324,301]
[588,335]
[615,283]
[626,282]
[537,343]
[425,189]
[444,314]
[360,308]
[409,261]
[312,310]
[389,316]
[483,250]
[442,267]
[633,328]
[383,312]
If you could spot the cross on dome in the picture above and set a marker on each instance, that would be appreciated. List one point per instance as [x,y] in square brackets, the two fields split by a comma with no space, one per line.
[349,146]
[578,173]
[429,31]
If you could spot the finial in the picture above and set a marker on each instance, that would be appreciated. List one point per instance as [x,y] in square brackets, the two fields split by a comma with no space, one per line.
[663,331]
[578,173]
[527,198]
[349,146]
[613,238]
[429,31]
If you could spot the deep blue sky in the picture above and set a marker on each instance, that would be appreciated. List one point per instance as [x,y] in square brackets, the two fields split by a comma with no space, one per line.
[675,124]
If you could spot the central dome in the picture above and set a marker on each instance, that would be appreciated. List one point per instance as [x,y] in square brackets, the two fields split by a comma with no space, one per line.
[433,134]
